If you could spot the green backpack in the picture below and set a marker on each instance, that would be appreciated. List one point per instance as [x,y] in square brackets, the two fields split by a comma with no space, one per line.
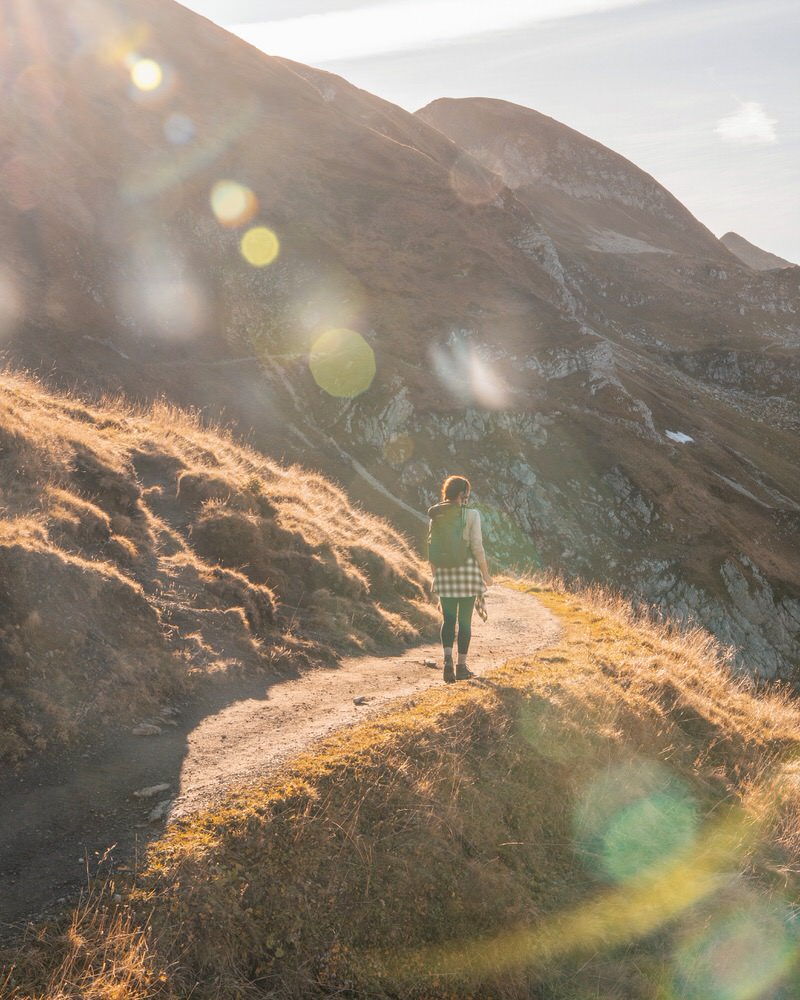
[446,544]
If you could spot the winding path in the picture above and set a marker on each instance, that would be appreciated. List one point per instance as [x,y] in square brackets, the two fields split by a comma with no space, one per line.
[62,820]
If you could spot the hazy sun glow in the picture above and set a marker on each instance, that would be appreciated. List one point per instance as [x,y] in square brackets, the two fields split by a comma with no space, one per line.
[172,308]
[146,74]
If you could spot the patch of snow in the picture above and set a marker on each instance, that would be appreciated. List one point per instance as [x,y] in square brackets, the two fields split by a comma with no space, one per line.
[609,241]
[741,489]
[680,437]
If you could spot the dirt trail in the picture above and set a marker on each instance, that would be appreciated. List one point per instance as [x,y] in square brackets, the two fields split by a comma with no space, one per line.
[60,820]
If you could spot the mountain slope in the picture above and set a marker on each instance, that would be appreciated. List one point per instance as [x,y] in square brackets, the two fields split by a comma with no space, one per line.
[591,195]
[141,553]
[522,305]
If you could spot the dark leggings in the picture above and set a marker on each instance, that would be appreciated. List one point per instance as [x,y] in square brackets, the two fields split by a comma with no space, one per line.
[457,609]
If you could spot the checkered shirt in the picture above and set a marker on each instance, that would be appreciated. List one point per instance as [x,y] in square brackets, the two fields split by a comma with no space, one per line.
[459,581]
[462,581]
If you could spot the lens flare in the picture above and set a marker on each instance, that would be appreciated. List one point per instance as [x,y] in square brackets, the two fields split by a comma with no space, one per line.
[742,956]
[398,449]
[632,818]
[177,308]
[179,129]
[152,178]
[342,363]
[259,246]
[466,374]
[146,74]
[233,204]
[159,295]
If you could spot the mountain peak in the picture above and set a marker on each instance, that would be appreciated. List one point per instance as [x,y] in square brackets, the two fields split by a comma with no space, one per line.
[569,176]
[753,256]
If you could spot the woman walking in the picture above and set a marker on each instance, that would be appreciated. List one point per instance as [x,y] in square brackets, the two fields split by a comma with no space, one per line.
[460,573]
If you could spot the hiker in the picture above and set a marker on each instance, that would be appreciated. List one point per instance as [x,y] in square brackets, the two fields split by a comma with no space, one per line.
[460,573]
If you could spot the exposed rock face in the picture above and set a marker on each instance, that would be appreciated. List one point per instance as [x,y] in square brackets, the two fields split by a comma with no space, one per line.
[543,315]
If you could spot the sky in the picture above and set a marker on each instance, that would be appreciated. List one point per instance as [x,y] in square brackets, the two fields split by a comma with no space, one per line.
[702,94]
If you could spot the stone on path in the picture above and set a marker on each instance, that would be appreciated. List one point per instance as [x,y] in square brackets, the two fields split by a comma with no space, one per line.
[150,792]
[146,729]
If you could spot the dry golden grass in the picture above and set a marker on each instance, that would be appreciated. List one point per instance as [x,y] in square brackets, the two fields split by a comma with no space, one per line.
[615,816]
[139,548]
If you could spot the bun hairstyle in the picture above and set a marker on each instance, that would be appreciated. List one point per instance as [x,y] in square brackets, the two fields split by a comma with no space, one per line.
[454,486]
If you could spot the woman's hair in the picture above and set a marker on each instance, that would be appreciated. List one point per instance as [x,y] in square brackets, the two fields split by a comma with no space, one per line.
[454,486]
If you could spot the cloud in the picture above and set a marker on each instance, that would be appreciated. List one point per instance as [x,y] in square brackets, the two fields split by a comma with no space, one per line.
[750,124]
[405,24]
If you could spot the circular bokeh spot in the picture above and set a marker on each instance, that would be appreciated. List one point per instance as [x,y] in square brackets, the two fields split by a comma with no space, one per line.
[179,129]
[632,818]
[233,204]
[147,75]
[260,246]
[742,955]
[342,363]
[399,449]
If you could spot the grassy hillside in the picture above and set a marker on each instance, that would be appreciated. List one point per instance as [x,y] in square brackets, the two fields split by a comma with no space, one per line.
[612,817]
[141,552]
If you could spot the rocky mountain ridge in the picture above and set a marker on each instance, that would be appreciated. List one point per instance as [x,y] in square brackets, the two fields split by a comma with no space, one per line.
[522,305]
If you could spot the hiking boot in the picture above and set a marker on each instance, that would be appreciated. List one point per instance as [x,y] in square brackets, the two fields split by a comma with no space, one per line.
[463,673]
[449,674]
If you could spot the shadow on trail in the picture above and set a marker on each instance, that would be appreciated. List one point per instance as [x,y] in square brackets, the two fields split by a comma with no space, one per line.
[63,817]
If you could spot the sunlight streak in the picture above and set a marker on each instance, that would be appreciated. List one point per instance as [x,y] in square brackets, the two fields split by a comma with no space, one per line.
[624,914]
